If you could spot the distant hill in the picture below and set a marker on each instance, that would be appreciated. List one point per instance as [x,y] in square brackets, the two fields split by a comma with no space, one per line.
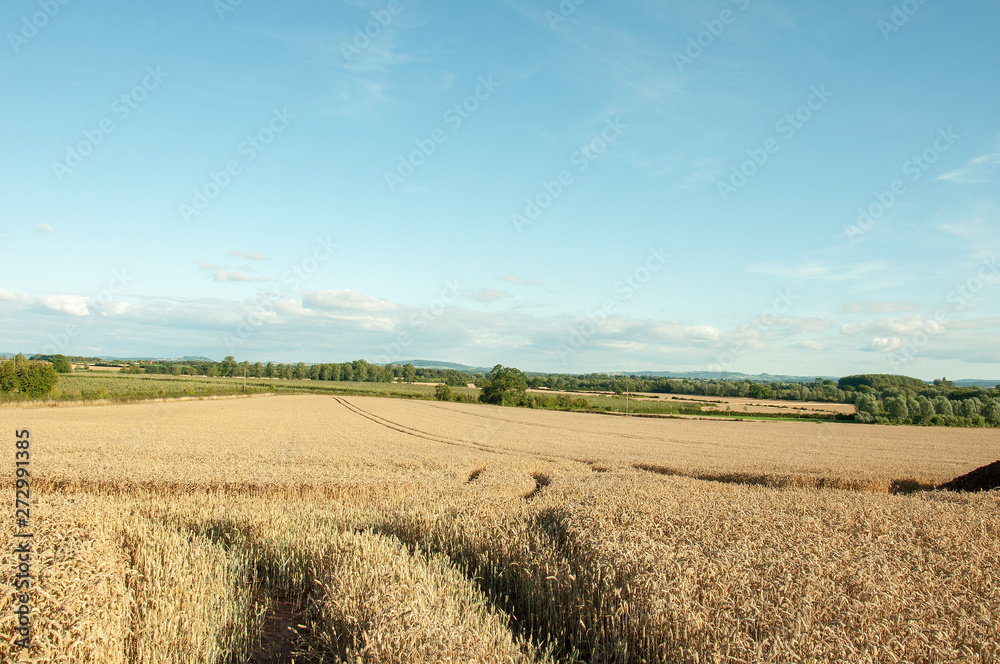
[969,382]
[186,358]
[726,375]
[432,364]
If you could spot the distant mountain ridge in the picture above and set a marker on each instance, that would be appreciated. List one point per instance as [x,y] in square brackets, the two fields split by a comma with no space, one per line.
[481,371]
[433,364]
[728,375]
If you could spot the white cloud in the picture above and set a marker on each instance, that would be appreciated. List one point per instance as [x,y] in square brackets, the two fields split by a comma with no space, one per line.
[488,295]
[878,307]
[344,300]
[982,169]
[44,228]
[114,308]
[906,327]
[74,305]
[512,279]
[884,344]
[815,270]
[251,257]
[804,324]
[223,276]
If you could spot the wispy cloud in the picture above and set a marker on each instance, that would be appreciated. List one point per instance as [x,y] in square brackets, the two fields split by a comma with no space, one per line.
[488,295]
[908,326]
[345,299]
[982,169]
[75,305]
[878,307]
[815,270]
[251,257]
[224,276]
[520,281]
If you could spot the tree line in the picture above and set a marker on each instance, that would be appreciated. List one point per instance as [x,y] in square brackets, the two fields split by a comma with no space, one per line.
[356,371]
[30,378]
[878,398]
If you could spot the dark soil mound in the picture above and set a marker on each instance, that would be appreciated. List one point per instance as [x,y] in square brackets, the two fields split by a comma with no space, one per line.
[981,479]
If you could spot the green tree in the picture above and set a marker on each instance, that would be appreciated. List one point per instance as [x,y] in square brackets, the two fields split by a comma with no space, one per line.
[443,393]
[270,371]
[410,373]
[867,408]
[943,407]
[8,376]
[505,386]
[926,409]
[991,412]
[227,368]
[61,364]
[33,379]
[896,409]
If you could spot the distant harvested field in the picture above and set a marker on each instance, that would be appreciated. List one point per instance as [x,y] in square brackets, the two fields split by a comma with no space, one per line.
[420,531]
[762,405]
[738,404]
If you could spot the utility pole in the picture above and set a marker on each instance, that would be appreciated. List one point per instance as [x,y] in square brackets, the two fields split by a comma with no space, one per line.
[244,377]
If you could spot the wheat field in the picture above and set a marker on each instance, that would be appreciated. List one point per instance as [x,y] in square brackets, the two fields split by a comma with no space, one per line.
[356,529]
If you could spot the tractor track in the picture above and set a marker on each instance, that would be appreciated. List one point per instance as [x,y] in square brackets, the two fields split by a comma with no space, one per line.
[417,433]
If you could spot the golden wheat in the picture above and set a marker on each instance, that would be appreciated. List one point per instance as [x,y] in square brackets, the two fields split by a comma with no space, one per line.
[393,531]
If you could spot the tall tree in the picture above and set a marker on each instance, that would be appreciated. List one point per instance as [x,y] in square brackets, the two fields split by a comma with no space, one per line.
[505,386]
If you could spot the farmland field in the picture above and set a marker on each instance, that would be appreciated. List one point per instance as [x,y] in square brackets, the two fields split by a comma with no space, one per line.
[124,388]
[363,529]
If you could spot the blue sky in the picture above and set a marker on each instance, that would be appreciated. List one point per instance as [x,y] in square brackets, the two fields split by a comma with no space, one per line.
[588,186]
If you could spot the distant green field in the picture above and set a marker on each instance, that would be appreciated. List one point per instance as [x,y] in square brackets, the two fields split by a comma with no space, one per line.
[123,388]
[94,386]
